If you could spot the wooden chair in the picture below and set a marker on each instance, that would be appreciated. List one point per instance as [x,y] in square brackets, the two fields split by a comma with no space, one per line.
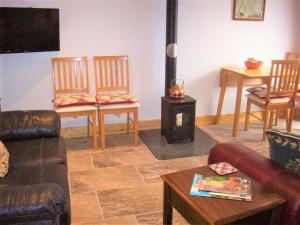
[112,77]
[71,90]
[278,95]
[289,55]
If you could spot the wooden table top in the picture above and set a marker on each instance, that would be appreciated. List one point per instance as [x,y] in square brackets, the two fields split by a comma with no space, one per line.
[221,211]
[248,73]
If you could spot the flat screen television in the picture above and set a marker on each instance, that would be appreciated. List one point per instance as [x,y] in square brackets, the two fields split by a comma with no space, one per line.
[29,30]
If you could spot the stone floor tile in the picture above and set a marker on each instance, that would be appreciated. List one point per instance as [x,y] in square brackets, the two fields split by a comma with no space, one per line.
[85,207]
[123,140]
[151,171]
[79,161]
[85,144]
[156,218]
[124,220]
[104,179]
[143,198]
[126,156]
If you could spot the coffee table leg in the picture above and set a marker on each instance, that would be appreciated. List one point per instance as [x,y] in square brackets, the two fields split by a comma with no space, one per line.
[168,210]
[276,215]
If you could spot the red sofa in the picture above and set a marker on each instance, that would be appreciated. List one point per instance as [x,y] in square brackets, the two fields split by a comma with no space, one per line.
[272,175]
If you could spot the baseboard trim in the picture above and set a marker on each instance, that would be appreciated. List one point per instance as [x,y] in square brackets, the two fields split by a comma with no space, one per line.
[80,131]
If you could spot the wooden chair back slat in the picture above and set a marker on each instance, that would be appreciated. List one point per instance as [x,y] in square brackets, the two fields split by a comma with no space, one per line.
[111,73]
[284,78]
[122,74]
[70,75]
[117,72]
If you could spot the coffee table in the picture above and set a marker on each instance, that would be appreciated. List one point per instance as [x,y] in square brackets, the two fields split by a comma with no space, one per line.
[265,208]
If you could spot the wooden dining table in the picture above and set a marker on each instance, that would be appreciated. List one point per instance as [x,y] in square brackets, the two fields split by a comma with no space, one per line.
[239,77]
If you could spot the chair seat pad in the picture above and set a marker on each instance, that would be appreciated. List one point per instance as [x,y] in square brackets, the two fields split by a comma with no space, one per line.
[120,106]
[108,99]
[76,108]
[74,100]
[261,92]
[272,100]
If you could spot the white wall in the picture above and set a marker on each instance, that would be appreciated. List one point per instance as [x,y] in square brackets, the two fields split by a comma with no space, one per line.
[207,39]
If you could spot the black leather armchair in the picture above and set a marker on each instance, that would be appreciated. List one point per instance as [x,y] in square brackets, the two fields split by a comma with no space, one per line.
[35,190]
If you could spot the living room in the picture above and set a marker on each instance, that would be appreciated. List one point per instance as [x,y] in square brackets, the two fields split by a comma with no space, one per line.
[208,38]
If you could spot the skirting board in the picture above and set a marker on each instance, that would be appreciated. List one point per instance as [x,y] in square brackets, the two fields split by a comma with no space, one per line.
[69,132]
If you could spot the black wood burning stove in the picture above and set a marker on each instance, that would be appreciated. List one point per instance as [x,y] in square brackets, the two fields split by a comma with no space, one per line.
[178,119]
[177,115]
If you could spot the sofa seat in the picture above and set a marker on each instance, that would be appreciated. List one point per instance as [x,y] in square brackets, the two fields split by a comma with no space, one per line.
[46,176]
[41,151]
[32,201]
[265,171]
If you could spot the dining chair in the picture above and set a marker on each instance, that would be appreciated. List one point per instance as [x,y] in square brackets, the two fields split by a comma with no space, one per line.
[279,94]
[72,92]
[289,55]
[113,92]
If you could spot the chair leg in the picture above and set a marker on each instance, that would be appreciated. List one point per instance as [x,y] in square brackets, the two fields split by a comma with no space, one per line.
[88,126]
[247,114]
[95,136]
[291,117]
[98,122]
[271,119]
[277,117]
[287,119]
[102,131]
[128,123]
[265,118]
[136,128]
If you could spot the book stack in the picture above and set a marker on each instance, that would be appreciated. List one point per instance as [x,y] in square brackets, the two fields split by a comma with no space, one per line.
[235,188]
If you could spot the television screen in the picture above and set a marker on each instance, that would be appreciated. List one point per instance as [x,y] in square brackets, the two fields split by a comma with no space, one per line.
[29,30]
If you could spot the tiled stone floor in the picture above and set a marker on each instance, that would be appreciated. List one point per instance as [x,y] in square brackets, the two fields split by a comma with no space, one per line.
[121,185]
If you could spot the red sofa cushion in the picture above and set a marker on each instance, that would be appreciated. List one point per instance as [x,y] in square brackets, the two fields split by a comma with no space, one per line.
[265,171]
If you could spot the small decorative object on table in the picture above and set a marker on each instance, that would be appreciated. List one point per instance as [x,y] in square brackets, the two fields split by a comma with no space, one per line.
[176,90]
[252,63]
[223,168]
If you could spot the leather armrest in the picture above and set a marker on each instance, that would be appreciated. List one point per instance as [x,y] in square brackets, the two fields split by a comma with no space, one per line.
[28,202]
[21,125]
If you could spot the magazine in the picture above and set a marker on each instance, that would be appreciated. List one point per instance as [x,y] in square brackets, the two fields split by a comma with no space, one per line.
[221,187]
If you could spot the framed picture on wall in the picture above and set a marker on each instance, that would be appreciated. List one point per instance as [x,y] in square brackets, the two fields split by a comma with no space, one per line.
[249,9]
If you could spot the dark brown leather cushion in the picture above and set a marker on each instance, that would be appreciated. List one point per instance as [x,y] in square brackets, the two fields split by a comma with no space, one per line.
[42,151]
[31,201]
[21,125]
[56,174]
[37,175]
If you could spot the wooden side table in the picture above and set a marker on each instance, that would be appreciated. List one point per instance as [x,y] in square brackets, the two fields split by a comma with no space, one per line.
[264,209]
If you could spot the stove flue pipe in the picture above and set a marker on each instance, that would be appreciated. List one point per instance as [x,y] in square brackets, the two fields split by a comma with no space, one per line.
[171,43]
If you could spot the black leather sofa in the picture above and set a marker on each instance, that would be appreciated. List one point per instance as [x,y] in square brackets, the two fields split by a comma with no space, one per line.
[35,191]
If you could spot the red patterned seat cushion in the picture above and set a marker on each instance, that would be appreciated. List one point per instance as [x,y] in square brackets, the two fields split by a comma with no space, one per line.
[106,99]
[261,92]
[74,100]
